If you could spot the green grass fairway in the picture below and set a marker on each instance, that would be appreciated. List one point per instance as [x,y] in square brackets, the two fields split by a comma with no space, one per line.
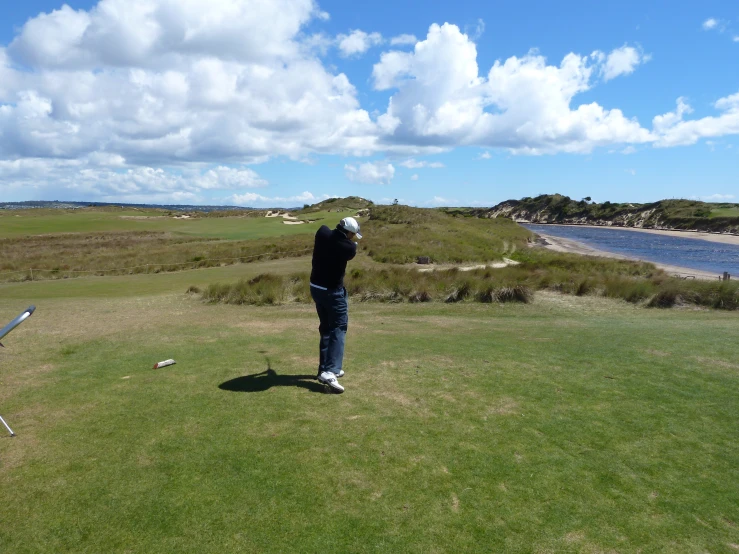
[568,425]
[145,284]
[38,222]
[732,211]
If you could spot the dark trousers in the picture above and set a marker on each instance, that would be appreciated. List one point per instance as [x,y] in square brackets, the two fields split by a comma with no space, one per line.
[333,315]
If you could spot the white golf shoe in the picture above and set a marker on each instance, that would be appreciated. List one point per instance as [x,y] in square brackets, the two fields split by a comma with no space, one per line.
[339,374]
[329,378]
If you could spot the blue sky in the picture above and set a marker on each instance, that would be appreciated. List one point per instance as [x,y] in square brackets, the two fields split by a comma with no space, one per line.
[289,101]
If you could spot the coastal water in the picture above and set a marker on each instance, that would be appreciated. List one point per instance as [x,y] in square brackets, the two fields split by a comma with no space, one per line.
[686,252]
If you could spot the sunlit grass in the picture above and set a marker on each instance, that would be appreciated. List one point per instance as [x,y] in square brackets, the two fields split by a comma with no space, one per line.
[569,424]
[67,244]
[725,212]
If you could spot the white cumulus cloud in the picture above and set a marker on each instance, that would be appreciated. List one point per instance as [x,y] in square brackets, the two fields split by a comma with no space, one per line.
[229,178]
[167,83]
[140,32]
[674,130]
[403,40]
[715,197]
[370,173]
[710,23]
[523,104]
[254,199]
[183,97]
[104,178]
[357,42]
[622,61]
[441,201]
[415,164]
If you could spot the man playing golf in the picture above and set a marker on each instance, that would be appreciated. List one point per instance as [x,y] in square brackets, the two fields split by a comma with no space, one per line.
[331,251]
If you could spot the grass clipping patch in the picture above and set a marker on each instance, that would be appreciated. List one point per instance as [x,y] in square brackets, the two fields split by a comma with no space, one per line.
[386,285]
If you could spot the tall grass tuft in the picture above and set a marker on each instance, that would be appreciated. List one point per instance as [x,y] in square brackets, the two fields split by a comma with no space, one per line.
[263,290]
[392,285]
[518,293]
[511,284]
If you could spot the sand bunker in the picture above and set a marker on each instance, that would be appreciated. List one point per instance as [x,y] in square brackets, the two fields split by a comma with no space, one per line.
[285,215]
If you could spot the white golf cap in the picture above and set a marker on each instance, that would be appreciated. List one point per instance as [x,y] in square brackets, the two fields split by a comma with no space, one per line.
[350,224]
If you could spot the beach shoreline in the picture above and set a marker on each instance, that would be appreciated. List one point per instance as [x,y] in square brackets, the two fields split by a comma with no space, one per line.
[698,235]
[559,244]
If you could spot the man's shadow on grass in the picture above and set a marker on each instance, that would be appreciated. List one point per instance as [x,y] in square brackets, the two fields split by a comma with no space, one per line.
[260,382]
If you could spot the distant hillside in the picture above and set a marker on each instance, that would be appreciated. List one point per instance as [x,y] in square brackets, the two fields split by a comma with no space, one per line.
[64,205]
[337,205]
[666,214]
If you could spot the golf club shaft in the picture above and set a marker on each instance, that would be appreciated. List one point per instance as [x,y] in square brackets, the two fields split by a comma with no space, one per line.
[7,427]
[17,321]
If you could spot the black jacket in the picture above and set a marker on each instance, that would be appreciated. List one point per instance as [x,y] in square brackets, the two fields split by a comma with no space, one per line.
[330,253]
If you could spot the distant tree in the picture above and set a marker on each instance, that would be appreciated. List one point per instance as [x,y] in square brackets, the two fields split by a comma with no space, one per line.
[587,199]
[395,202]
[306,206]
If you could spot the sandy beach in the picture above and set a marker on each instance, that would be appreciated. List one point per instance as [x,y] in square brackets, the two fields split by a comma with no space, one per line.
[559,244]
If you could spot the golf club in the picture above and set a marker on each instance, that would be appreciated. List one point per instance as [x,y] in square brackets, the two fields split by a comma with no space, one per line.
[17,321]
[7,427]
[7,329]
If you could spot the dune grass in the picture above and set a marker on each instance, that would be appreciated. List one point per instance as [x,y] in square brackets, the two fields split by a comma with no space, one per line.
[635,282]
[63,245]
[97,242]
[400,234]
[566,425]
[665,214]
[74,254]
[373,285]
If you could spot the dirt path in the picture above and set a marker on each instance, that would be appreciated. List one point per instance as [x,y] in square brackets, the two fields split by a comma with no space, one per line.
[441,267]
